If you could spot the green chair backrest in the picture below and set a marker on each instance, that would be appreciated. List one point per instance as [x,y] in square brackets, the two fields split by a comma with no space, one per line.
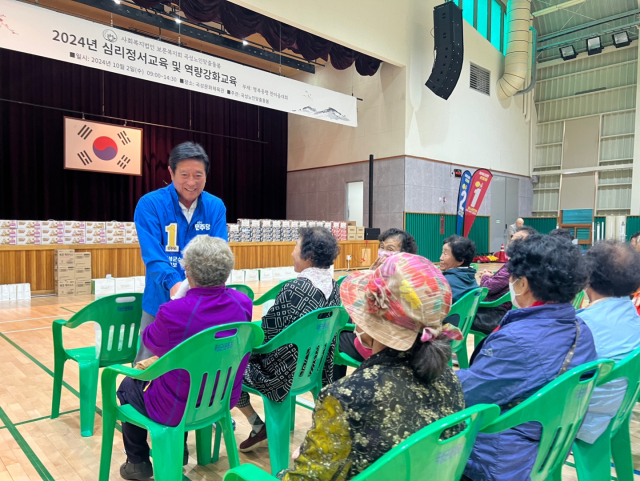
[212,360]
[559,407]
[497,302]
[242,288]
[424,452]
[628,368]
[119,318]
[466,308]
[341,280]
[271,294]
[577,302]
[474,265]
[312,335]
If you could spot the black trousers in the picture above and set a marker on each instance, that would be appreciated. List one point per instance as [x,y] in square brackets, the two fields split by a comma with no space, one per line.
[134,437]
[347,346]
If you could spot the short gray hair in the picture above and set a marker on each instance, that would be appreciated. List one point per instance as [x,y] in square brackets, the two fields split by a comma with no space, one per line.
[208,261]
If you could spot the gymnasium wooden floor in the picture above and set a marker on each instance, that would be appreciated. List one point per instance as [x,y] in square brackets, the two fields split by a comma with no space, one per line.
[33,446]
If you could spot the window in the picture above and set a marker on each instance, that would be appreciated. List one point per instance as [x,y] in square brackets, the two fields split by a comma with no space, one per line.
[488,17]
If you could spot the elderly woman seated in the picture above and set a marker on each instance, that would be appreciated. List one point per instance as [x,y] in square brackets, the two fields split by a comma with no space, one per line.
[534,344]
[457,254]
[614,274]
[488,318]
[272,374]
[405,386]
[207,261]
[357,345]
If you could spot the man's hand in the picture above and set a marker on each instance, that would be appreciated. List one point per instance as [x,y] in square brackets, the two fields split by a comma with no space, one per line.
[174,289]
[486,273]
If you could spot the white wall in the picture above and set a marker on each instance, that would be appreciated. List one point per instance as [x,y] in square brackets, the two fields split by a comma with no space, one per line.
[381,129]
[469,128]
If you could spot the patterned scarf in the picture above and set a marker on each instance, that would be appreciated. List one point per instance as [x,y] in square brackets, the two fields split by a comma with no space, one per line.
[320,278]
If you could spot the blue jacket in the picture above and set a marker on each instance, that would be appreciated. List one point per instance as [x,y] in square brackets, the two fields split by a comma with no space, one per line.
[461,280]
[515,362]
[163,232]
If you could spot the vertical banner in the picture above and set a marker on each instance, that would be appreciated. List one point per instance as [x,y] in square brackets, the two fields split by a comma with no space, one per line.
[463,195]
[478,188]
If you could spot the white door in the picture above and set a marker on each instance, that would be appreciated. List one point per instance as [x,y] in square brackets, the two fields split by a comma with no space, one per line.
[355,202]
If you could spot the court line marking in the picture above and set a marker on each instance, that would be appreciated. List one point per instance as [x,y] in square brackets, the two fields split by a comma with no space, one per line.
[40,419]
[26,449]
[25,330]
[68,310]
[36,318]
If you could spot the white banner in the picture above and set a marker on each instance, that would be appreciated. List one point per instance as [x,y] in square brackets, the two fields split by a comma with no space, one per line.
[38,31]
[100,147]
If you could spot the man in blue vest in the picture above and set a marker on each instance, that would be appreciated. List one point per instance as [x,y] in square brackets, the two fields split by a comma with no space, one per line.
[167,219]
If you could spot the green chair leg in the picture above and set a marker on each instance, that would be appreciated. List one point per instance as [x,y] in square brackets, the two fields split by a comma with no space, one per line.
[463,357]
[229,440]
[89,372]
[108,428]
[589,458]
[168,445]
[203,445]
[216,444]
[293,413]
[58,375]
[278,419]
[621,449]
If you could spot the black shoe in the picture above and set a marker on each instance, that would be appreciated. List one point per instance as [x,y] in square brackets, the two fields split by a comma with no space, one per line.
[136,472]
[185,458]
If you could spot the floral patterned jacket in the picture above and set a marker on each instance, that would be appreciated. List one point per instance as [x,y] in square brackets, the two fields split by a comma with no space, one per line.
[362,416]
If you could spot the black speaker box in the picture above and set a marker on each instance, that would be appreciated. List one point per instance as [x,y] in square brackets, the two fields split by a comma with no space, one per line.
[449,45]
[371,233]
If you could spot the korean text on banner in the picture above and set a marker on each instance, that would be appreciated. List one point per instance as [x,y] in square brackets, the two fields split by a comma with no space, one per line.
[479,185]
[463,195]
[38,31]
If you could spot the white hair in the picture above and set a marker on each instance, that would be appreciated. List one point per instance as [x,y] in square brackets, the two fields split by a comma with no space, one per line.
[207,260]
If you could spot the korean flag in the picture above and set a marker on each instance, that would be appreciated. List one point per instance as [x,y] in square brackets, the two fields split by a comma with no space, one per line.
[100,147]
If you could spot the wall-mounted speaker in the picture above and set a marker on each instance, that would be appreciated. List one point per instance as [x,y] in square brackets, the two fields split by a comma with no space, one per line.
[449,45]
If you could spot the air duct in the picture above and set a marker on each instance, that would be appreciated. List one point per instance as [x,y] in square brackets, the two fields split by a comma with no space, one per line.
[516,62]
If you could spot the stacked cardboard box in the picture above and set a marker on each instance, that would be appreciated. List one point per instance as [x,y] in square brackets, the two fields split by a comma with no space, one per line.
[116,232]
[103,287]
[65,272]
[233,233]
[130,233]
[15,292]
[83,273]
[8,232]
[359,233]
[96,233]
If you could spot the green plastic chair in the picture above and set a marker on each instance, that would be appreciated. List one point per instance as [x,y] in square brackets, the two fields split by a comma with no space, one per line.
[559,407]
[341,280]
[340,358]
[466,308]
[577,302]
[312,333]
[479,336]
[593,460]
[211,361]
[474,265]
[271,294]
[421,453]
[242,288]
[119,319]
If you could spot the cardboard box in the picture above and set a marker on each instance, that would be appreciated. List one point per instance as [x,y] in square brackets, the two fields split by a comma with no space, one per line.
[4,293]
[8,224]
[24,291]
[73,224]
[66,288]
[82,259]
[115,239]
[7,240]
[96,232]
[64,257]
[64,273]
[74,232]
[13,292]
[351,237]
[115,225]
[360,237]
[351,223]
[360,230]
[52,232]
[95,225]
[103,287]
[352,230]
[74,240]
[27,240]
[131,240]
[48,224]
[139,283]
[125,284]
[28,224]
[266,274]
[83,287]
[8,232]
[251,275]
[237,276]
[51,240]
[99,239]
[83,273]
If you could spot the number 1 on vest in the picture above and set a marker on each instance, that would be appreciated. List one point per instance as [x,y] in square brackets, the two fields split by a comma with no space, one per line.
[172,238]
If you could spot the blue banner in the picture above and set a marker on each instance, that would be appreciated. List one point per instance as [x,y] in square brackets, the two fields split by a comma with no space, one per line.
[463,194]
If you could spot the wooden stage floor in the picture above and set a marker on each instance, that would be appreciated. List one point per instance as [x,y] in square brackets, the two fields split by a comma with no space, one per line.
[33,446]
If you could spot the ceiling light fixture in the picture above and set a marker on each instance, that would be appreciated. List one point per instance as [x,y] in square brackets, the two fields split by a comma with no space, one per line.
[568,52]
[594,45]
[621,39]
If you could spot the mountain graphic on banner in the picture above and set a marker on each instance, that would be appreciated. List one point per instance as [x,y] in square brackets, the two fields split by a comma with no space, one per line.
[327,114]
[102,147]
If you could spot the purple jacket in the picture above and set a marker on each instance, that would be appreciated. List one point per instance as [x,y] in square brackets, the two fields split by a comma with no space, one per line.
[203,307]
[498,285]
